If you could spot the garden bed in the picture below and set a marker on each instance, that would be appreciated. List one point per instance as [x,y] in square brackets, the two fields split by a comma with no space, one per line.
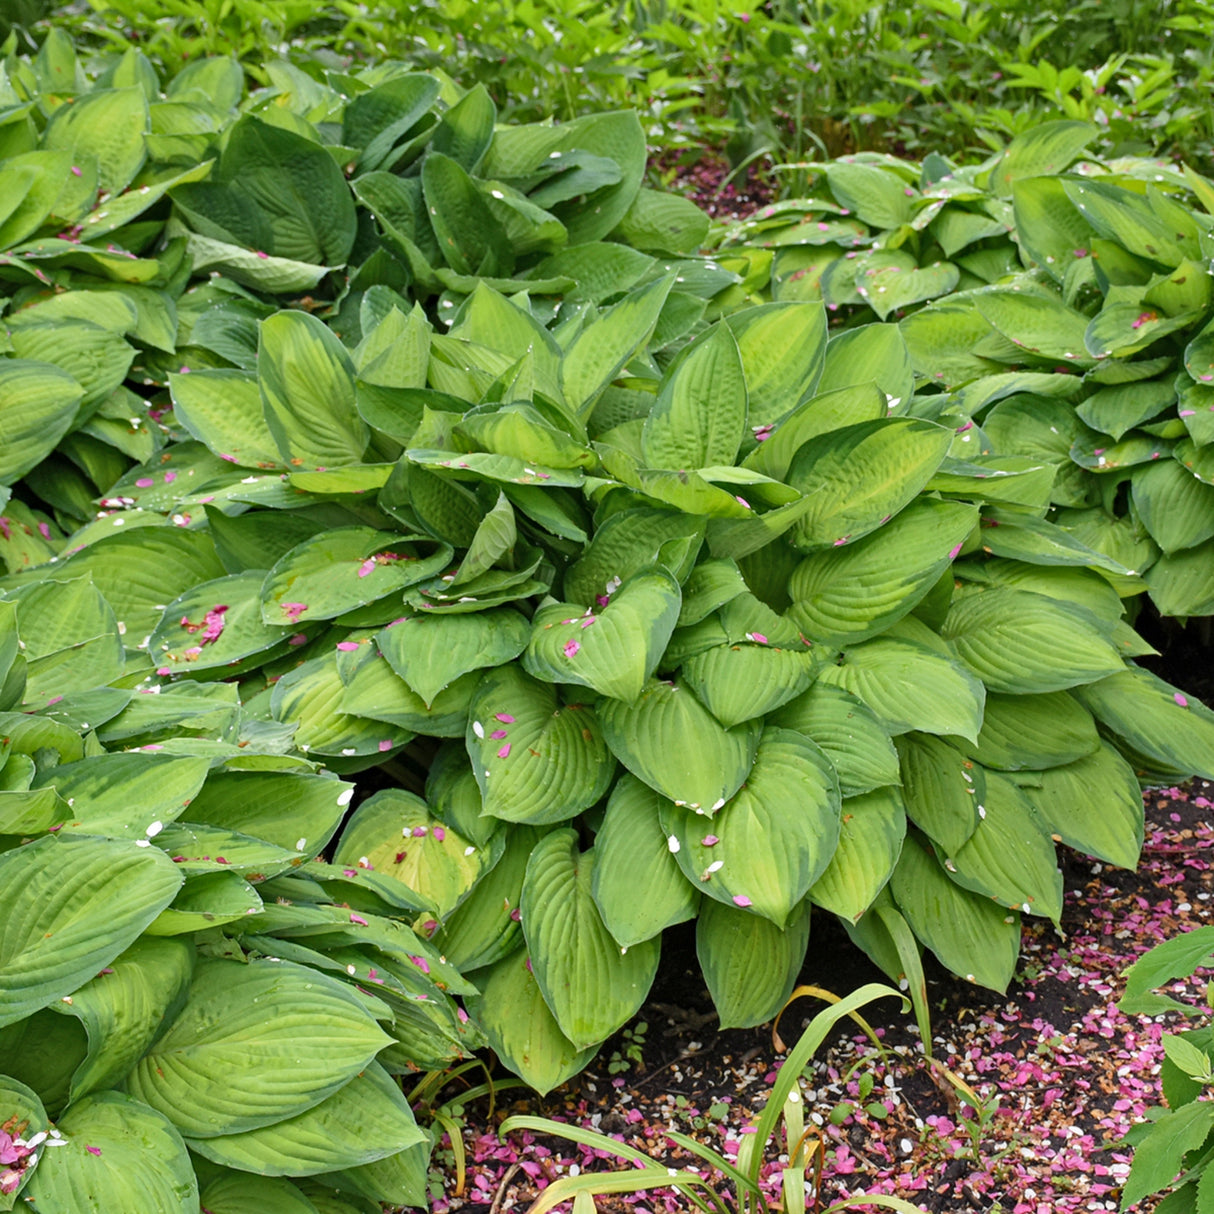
[1066,1072]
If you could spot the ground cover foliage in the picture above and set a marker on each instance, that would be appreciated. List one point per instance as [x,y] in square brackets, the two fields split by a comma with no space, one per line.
[346,429]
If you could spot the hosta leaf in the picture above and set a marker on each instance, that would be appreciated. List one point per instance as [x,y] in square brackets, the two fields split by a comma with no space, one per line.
[669,740]
[223,409]
[374,690]
[1010,856]
[289,810]
[469,235]
[772,839]
[631,854]
[1121,407]
[783,348]
[750,965]
[485,927]
[120,1155]
[590,983]
[307,391]
[1041,151]
[396,832]
[546,763]
[108,124]
[741,682]
[70,638]
[613,649]
[973,936]
[125,795]
[629,541]
[38,404]
[216,623]
[910,686]
[856,477]
[1183,584]
[700,414]
[942,789]
[888,280]
[1033,732]
[315,698]
[240,1193]
[366,1119]
[1039,324]
[340,570]
[521,1029]
[139,573]
[254,1044]
[431,651]
[848,732]
[1022,537]
[1025,643]
[1093,805]
[1157,720]
[73,906]
[123,1008]
[97,358]
[873,827]
[604,347]
[857,591]
[876,195]
[207,900]
[711,585]
[1174,506]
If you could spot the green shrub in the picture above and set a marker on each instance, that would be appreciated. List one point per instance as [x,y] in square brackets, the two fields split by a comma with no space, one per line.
[429,445]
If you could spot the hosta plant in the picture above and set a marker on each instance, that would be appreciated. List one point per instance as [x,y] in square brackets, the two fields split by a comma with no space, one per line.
[1067,313]
[353,434]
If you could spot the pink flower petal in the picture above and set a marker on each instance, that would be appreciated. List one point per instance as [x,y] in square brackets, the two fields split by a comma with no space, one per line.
[347,646]
[741,900]
[504,753]
[504,717]
[571,648]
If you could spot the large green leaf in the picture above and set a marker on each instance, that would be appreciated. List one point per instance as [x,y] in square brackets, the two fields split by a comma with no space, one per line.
[613,649]
[857,477]
[73,906]
[669,740]
[738,683]
[215,624]
[277,192]
[942,789]
[699,416]
[1026,643]
[973,936]
[783,347]
[240,1193]
[108,124]
[224,410]
[119,1155]
[1174,506]
[1039,324]
[1183,584]
[122,1009]
[856,592]
[773,839]
[395,832]
[873,827]
[632,852]
[591,984]
[38,404]
[1033,732]
[70,638]
[254,1044]
[469,236]
[848,732]
[366,1119]
[910,686]
[431,651]
[1010,856]
[340,570]
[534,762]
[750,965]
[307,391]
[1158,721]
[1093,805]
[1041,150]
[521,1029]
[125,795]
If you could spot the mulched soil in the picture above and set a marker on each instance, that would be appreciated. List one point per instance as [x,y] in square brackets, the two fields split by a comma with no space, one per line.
[1066,1073]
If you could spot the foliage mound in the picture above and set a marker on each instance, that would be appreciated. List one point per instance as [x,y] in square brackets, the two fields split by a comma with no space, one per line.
[430,445]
